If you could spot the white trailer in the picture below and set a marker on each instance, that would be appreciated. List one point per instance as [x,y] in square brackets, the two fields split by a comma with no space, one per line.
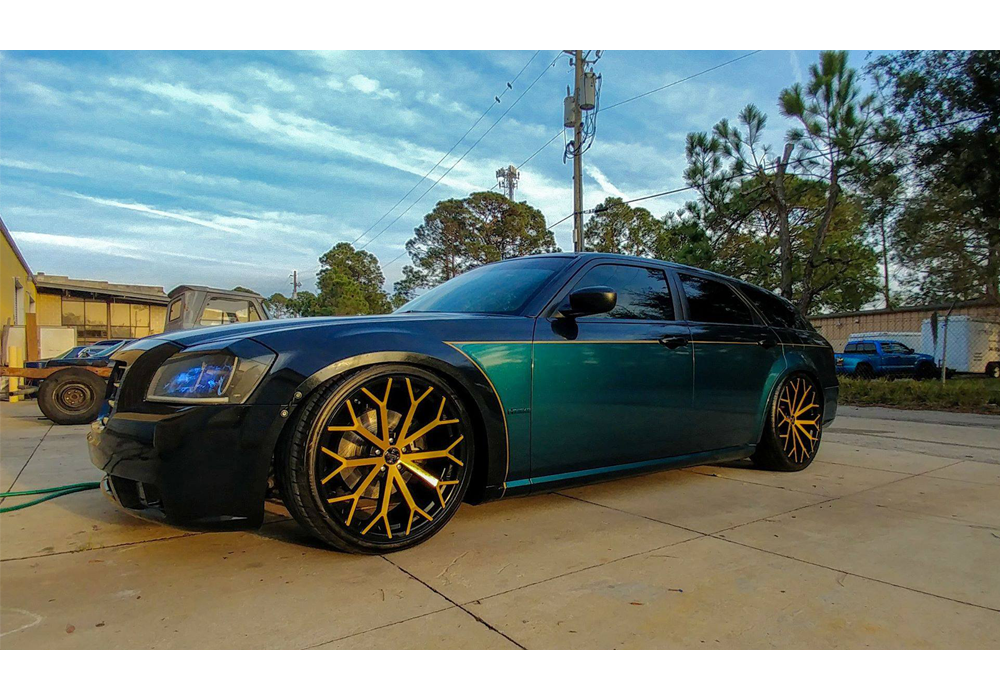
[964,344]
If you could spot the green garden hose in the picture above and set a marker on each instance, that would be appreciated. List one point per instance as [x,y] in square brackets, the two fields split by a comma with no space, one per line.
[49,494]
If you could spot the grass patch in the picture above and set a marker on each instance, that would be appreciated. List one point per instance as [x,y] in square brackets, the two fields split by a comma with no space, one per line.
[970,395]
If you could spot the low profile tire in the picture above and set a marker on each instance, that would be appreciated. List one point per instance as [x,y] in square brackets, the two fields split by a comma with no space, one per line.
[864,372]
[793,428]
[378,461]
[72,396]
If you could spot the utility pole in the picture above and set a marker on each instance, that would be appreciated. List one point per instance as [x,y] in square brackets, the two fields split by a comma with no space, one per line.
[507,179]
[578,156]
[295,283]
[584,98]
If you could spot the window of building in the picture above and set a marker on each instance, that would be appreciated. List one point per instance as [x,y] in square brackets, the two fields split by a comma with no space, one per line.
[98,319]
[174,312]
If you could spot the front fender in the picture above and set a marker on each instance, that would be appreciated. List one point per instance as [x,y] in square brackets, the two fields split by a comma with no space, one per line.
[304,365]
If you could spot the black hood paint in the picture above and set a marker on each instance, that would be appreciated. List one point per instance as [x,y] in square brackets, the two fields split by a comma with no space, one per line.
[259,330]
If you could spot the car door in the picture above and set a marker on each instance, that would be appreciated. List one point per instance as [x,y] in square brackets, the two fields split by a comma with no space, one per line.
[895,358]
[734,356]
[611,389]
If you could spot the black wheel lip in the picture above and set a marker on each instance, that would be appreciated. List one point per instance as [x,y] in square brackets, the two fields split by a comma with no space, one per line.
[367,544]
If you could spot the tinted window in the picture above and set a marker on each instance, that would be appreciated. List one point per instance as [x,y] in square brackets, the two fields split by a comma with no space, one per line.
[866,347]
[714,302]
[500,288]
[778,311]
[851,347]
[642,292]
[895,349]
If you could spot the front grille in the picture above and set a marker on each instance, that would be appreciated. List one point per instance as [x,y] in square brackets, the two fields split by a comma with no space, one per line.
[114,384]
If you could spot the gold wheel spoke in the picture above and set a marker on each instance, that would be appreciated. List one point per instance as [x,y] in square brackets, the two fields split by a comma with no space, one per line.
[414,402]
[432,480]
[358,428]
[347,463]
[398,464]
[355,496]
[801,421]
[440,490]
[430,426]
[438,454]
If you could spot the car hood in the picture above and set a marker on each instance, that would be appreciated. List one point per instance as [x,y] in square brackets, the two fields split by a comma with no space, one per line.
[259,330]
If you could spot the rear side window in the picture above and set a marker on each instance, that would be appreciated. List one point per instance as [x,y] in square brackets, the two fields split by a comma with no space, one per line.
[714,302]
[851,347]
[867,348]
[642,291]
[174,312]
[778,311]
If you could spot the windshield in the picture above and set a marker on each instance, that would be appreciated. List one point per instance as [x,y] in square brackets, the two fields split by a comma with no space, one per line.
[500,288]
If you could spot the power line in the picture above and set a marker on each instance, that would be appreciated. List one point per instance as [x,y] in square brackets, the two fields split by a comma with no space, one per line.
[494,103]
[469,150]
[682,80]
[752,174]
[644,94]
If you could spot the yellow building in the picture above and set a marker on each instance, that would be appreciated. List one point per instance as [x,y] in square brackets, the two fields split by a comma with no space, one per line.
[99,310]
[17,299]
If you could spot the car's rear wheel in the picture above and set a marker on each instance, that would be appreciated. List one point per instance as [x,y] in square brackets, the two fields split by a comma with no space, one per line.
[793,429]
[864,371]
[71,396]
[379,461]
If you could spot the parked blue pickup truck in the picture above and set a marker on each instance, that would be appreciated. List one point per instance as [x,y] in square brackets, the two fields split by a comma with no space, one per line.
[881,357]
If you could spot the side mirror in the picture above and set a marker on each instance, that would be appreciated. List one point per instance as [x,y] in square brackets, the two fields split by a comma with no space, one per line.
[589,301]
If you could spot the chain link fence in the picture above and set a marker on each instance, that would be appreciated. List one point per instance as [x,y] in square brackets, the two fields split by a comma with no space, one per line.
[959,339]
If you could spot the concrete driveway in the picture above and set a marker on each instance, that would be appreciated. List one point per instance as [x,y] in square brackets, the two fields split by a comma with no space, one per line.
[891,539]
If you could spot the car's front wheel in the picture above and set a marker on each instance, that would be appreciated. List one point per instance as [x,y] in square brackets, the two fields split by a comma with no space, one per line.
[379,461]
[793,426]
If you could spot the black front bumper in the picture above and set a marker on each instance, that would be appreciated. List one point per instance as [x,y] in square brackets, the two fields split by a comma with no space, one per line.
[193,466]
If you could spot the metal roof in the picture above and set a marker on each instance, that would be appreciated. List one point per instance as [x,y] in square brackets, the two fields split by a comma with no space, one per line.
[13,246]
[176,291]
[132,292]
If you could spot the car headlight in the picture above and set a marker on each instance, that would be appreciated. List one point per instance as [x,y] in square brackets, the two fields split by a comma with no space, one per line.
[211,377]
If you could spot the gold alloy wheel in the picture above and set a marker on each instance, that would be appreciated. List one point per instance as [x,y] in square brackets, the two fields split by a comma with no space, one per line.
[798,414]
[391,457]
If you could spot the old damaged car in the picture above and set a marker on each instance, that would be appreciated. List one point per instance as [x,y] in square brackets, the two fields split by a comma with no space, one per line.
[519,376]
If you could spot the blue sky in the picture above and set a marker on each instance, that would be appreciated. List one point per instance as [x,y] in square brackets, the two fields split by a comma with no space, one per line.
[234,168]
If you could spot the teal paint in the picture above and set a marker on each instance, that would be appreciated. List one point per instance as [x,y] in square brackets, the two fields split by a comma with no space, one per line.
[508,367]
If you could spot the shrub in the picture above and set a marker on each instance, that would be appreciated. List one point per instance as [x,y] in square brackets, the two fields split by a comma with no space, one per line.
[974,395]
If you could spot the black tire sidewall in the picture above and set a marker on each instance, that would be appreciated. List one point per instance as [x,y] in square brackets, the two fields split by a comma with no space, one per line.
[301,458]
[54,384]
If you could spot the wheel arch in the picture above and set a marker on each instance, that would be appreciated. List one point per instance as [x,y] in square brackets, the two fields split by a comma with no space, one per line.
[468,381]
[795,363]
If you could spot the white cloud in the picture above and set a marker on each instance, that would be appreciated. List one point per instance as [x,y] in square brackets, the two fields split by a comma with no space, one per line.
[143,209]
[36,167]
[104,246]
[603,181]
[370,86]
[793,59]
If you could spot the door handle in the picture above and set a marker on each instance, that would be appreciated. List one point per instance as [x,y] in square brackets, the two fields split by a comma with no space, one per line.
[673,341]
[766,343]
